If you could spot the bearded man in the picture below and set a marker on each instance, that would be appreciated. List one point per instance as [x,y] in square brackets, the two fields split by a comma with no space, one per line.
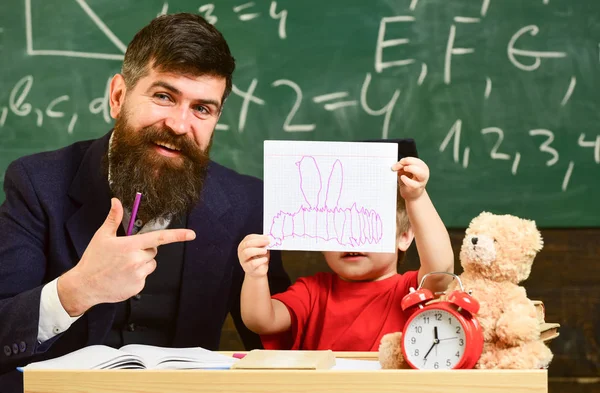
[70,278]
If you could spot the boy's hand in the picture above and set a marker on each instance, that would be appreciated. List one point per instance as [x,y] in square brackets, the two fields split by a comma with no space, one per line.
[413,174]
[254,255]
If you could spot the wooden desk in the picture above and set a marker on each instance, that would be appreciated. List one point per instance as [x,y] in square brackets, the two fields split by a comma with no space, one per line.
[320,381]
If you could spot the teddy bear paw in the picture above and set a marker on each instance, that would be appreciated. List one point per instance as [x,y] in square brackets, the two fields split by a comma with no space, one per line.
[390,351]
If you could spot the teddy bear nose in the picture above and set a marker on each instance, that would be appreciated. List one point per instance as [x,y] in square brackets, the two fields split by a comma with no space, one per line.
[474,240]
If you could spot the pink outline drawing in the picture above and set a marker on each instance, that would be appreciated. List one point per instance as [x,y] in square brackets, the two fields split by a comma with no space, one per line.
[351,226]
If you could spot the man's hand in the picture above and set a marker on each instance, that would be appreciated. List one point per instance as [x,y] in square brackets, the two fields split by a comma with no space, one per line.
[113,268]
[254,255]
[413,175]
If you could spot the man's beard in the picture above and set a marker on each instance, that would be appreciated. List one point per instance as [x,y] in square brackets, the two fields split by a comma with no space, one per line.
[170,186]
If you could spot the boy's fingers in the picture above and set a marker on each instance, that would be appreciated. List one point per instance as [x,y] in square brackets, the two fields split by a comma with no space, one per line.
[410,161]
[257,241]
[416,172]
[254,252]
[409,182]
[258,262]
[249,253]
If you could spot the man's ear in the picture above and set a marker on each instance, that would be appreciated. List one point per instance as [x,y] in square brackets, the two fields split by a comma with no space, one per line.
[405,239]
[116,96]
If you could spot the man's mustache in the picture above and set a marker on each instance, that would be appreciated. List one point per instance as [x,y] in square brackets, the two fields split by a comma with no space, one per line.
[183,143]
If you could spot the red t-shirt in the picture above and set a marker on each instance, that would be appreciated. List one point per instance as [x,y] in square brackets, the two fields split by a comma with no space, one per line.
[330,313]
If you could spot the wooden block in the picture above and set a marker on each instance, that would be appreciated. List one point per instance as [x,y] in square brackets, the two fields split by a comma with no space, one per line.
[262,359]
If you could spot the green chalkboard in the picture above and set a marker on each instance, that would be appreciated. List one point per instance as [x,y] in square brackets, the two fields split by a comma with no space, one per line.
[502,96]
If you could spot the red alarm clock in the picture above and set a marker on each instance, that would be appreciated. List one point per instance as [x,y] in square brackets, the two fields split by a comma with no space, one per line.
[443,334]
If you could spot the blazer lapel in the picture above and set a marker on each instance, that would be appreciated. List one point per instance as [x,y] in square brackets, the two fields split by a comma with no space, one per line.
[205,263]
[90,190]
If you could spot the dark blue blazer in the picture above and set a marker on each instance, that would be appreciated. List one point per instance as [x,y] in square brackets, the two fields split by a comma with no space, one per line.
[55,201]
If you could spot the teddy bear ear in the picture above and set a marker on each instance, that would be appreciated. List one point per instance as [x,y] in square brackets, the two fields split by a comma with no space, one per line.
[482,215]
[535,234]
[474,223]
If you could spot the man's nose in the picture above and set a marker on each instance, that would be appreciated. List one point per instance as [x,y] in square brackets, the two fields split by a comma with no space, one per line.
[179,121]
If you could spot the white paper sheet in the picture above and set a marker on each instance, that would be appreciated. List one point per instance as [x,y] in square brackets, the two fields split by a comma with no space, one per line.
[330,196]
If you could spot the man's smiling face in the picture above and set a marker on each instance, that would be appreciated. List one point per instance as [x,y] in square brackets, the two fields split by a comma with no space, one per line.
[163,132]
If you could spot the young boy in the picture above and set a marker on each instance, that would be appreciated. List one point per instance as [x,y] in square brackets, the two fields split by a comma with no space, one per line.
[353,307]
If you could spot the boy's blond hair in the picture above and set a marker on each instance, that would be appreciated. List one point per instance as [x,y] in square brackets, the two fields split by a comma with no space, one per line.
[402,222]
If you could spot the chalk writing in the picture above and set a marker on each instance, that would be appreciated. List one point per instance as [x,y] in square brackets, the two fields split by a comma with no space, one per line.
[207,11]
[282,16]
[537,55]
[245,16]
[567,177]
[18,95]
[248,97]
[3,114]
[287,125]
[56,108]
[451,50]
[386,110]
[595,144]
[488,88]
[72,123]
[164,10]
[454,135]
[67,53]
[422,75]
[100,104]
[382,43]
[50,112]
[475,92]
[545,147]
[569,92]
[484,7]
[333,96]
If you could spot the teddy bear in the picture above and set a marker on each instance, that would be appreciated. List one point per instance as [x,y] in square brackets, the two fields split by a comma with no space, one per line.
[496,255]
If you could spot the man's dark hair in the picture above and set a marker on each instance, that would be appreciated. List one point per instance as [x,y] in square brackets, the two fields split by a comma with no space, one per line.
[181,43]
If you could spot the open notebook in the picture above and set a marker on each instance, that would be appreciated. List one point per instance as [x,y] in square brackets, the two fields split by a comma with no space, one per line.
[136,356]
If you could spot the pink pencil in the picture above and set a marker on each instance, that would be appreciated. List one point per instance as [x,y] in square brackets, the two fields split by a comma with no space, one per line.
[136,205]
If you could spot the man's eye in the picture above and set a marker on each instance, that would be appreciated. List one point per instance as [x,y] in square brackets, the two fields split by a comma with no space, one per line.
[162,96]
[201,109]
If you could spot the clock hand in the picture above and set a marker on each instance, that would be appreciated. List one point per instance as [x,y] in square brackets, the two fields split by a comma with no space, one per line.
[435,338]
[449,338]
[435,342]
[432,345]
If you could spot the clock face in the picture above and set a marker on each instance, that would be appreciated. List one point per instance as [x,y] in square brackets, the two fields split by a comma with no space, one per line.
[434,339]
